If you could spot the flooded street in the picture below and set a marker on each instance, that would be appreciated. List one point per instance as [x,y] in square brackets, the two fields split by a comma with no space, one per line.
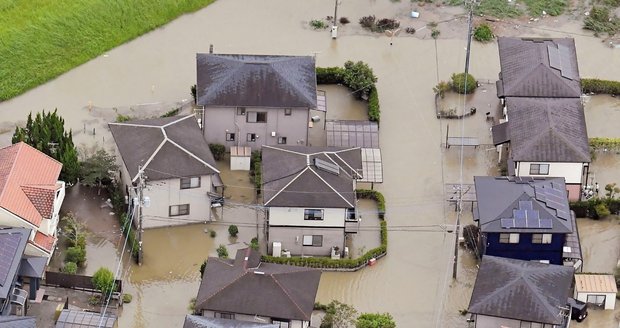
[412,281]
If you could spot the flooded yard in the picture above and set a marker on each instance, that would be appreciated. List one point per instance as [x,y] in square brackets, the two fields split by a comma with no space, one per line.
[413,282]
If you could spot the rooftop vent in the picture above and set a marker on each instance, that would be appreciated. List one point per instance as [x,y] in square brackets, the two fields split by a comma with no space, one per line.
[259,272]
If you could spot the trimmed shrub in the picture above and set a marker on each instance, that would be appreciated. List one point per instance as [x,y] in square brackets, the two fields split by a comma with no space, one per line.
[375,320]
[602,210]
[374,195]
[218,151]
[103,280]
[462,85]
[329,75]
[233,230]
[483,33]
[359,77]
[600,86]
[76,255]
[254,244]
[222,252]
[374,111]
[435,33]
[212,233]
[70,267]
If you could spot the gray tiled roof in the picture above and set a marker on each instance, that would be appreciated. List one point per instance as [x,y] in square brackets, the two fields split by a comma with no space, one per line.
[166,147]
[195,321]
[12,245]
[521,290]
[497,197]
[256,80]
[13,321]
[547,130]
[538,68]
[291,179]
[254,288]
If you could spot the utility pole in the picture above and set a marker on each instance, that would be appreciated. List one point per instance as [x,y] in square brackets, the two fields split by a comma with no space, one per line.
[140,205]
[335,23]
[459,203]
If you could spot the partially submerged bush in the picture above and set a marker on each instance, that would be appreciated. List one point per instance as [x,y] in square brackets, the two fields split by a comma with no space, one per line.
[462,85]
[387,24]
[70,268]
[344,21]
[359,77]
[218,151]
[483,33]
[318,24]
[367,21]
[76,255]
[233,230]
[600,86]
[601,20]
[435,33]
[222,252]
[441,88]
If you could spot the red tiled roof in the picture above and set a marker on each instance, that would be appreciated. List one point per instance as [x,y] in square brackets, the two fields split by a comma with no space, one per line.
[27,181]
[44,241]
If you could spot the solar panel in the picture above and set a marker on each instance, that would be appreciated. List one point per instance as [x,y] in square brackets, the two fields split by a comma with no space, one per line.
[525,205]
[507,223]
[533,223]
[532,214]
[521,223]
[518,214]
[327,166]
[546,224]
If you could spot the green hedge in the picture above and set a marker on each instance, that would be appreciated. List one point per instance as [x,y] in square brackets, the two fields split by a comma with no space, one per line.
[329,75]
[335,75]
[587,208]
[604,143]
[328,263]
[600,86]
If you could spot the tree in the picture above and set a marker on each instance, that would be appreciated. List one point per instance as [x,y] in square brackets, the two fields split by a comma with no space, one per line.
[233,230]
[47,134]
[462,85]
[375,320]
[222,252]
[103,280]
[98,168]
[338,315]
[359,77]
[612,190]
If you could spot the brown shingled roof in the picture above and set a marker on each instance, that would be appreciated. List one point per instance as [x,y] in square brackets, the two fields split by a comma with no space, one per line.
[250,287]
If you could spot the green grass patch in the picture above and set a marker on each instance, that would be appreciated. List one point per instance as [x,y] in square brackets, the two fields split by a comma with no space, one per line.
[498,8]
[551,7]
[602,20]
[39,40]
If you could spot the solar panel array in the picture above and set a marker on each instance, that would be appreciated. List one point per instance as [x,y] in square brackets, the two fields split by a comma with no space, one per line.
[555,198]
[8,248]
[525,217]
[327,166]
[559,58]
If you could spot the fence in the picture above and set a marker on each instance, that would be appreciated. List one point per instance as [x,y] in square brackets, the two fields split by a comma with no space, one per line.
[75,281]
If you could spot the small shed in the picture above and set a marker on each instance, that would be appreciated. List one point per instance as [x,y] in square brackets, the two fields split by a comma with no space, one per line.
[240,158]
[596,289]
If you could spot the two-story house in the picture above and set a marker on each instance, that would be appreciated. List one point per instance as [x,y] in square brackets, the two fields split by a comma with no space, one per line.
[544,121]
[526,218]
[31,195]
[176,164]
[245,289]
[516,293]
[310,196]
[13,243]
[254,100]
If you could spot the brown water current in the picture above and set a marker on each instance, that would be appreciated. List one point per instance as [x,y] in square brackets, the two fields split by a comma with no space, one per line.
[412,281]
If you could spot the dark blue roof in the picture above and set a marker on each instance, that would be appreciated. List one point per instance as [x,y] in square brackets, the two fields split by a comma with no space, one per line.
[12,245]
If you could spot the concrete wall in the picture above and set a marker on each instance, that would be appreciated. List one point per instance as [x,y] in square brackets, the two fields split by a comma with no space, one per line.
[220,119]
[165,193]
[610,299]
[292,239]
[294,216]
[256,318]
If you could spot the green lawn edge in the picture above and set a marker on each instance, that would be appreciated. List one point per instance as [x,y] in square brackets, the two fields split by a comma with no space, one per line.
[39,41]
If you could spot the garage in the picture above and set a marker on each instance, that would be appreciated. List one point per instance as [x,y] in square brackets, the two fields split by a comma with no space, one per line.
[596,289]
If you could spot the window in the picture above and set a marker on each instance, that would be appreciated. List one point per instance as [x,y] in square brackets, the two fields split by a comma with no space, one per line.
[313,240]
[188,183]
[541,238]
[251,137]
[225,315]
[281,323]
[256,117]
[312,214]
[176,210]
[240,110]
[288,111]
[539,169]
[509,238]
[282,140]
[230,136]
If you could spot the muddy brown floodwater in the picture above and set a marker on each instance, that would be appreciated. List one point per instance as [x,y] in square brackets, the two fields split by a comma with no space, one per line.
[412,282]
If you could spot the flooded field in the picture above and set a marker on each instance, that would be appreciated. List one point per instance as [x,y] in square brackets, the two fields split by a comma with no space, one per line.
[158,68]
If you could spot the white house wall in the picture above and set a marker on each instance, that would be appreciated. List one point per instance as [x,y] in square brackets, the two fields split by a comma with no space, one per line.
[572,172]
[257,318]
[219,120]
[294,216]
[483,321]
[610,299]
[292,240]
[165,193]
[49,225]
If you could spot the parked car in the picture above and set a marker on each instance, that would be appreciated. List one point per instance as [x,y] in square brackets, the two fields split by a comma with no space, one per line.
[579,309]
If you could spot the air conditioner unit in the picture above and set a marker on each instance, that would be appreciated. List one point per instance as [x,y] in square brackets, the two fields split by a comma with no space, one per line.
[273,133]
